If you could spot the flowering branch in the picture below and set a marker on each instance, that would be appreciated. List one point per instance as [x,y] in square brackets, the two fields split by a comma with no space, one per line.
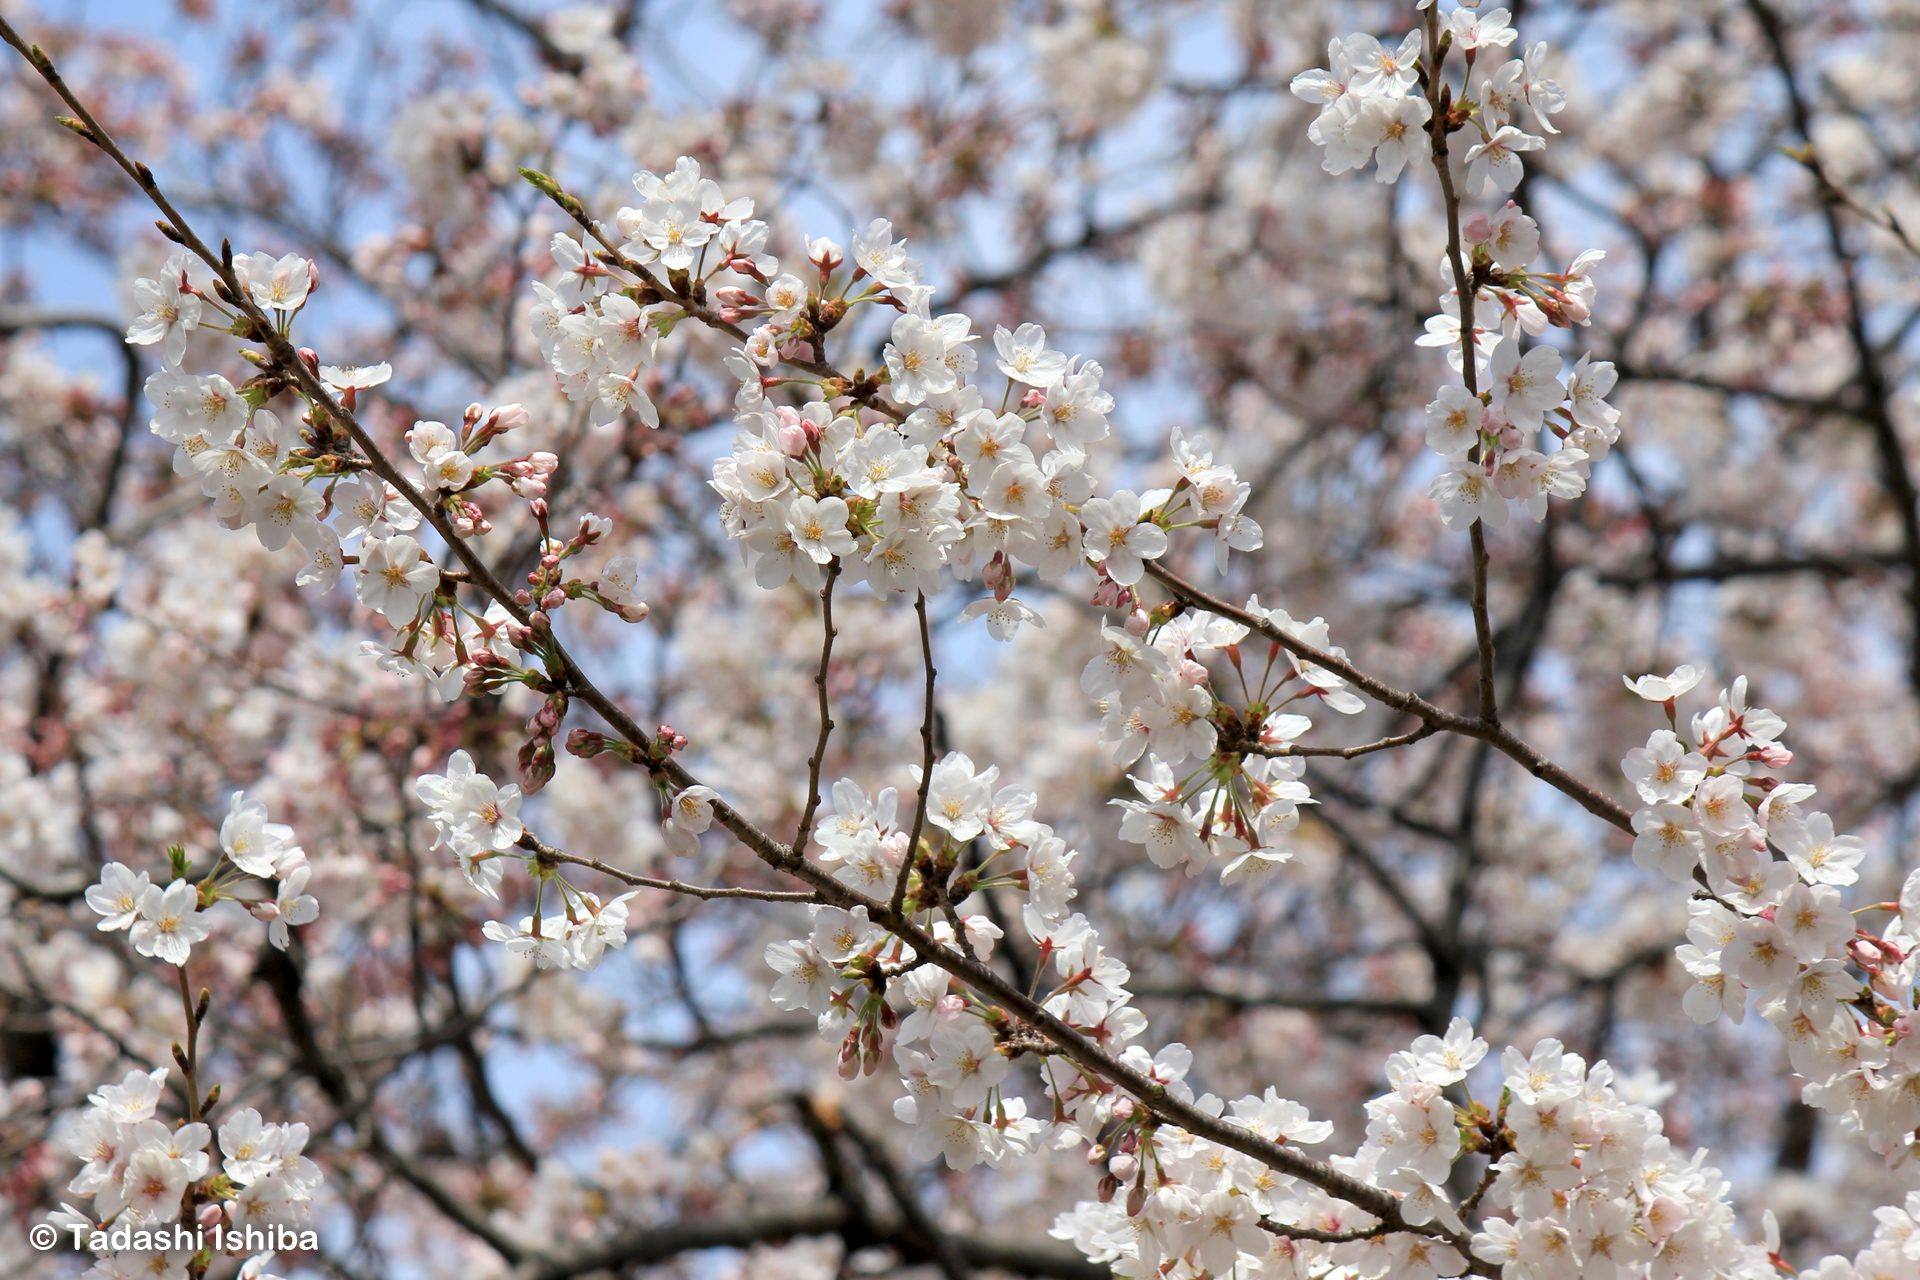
[1496,735]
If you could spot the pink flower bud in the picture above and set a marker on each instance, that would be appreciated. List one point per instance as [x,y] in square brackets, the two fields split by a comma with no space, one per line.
[849,1064]
[1124,1167]
[998,576]
[949,1007]
[1138,623]
[793,440]
[1191,673]
[1478,229]
[1123,1110]
[1034,398]
[554,599]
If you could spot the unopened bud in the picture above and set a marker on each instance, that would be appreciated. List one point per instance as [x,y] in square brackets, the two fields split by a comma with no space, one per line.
[1124,1167]
[554,599]
[824,254]
[998,576]
[1109,1187]
[1138,624]
[506,418]
[791,432]
[849,1062]
[585,743]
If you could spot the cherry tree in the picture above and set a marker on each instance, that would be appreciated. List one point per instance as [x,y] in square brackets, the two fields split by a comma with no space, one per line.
[1065,640]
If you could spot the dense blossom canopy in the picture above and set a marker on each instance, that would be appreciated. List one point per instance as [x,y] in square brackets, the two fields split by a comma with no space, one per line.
[1156,638]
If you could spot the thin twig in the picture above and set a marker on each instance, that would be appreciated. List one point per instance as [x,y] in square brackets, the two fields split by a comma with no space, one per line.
[548,853]
[926,762]
[1341,753]
[827,634]
[1324,1237]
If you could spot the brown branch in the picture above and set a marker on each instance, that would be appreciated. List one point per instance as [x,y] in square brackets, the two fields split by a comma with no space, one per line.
[547,853]
[1496,735]
[1439,100]
[1724,568]
[827,635]
[926,762]
[1324,1237]
[1340,753]
[1895,475]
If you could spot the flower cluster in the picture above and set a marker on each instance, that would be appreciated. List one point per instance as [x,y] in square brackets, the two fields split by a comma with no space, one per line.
[138,1170]
[1585,1173]
[1889,1253]
[1371,107]
[940,478]
[298,481]
[1776,929]
[480,822]
[600,333]
[1488,438]
[952,1048]
[166,922]
[1592,1183]
[1244,796]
